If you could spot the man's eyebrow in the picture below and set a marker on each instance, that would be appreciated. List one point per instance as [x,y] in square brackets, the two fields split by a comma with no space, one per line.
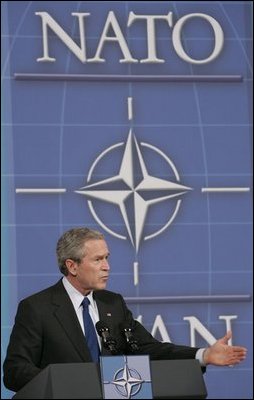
[102,255]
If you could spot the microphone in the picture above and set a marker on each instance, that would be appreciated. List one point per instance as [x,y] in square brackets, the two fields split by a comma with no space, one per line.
[131,341]
[108,341]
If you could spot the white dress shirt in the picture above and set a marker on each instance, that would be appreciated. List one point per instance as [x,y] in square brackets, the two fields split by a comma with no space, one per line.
[76,299]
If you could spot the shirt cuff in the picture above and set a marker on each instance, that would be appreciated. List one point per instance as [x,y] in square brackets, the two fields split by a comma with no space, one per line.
[200,357]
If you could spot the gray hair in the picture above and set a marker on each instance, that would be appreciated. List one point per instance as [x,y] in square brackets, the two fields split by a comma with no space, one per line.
[71,245]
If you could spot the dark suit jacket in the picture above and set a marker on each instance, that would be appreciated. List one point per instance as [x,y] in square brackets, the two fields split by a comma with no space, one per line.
[47,331]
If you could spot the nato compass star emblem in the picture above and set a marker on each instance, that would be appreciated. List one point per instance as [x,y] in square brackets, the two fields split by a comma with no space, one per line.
[126,377]
[133,190]
[144,189]
[127,382]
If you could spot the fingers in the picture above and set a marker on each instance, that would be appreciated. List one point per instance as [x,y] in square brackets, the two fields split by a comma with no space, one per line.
[226,338]
[234,351]
[235,359]
[239,348]
[235,356]
[228,335]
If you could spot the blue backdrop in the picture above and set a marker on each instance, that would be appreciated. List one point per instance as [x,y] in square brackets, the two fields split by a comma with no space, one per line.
[190,255]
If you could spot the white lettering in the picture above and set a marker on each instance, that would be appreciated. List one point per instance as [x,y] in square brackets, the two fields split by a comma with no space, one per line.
[160,326]
[117,36]
[195,326]
[139,319]
[48,21]
[177,41]
[228,319]
[113,23]
[151,35]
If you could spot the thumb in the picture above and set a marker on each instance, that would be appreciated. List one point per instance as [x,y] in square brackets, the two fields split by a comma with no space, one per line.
[226,338]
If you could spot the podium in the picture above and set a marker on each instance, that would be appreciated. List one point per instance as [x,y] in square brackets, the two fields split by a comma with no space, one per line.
[171,379]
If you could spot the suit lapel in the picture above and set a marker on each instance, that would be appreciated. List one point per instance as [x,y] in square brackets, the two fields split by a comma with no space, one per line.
[67,318]
[106,313]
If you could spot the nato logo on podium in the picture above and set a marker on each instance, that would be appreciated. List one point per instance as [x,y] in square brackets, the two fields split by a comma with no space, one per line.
[126,377]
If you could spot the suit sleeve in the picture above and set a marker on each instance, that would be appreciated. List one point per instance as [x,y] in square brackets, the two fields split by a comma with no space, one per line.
[156,349]
[25,347]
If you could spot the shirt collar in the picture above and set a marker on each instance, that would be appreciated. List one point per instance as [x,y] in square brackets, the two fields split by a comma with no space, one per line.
[75,296]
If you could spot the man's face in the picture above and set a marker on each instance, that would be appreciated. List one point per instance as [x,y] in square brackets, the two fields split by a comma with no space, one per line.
[92,272]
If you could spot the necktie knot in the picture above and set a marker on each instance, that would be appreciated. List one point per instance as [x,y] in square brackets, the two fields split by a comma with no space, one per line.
[85,302]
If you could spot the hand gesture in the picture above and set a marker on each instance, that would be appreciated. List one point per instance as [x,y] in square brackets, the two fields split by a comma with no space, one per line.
[220,353]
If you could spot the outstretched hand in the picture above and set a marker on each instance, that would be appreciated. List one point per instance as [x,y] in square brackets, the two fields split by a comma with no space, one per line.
[220,353]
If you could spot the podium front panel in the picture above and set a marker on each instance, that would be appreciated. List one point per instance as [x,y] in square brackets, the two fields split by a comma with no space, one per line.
[177,379]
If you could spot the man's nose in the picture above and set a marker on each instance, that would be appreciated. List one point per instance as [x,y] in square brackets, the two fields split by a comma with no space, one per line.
[105,265]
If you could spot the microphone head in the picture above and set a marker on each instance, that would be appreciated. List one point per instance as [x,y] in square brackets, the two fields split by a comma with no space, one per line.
[101,327]
[126,326]
[108,341]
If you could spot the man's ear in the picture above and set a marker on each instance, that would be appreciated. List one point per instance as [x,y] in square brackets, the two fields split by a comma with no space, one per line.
[71,266]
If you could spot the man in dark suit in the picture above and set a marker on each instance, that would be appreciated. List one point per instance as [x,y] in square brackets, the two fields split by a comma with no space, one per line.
[49,326]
